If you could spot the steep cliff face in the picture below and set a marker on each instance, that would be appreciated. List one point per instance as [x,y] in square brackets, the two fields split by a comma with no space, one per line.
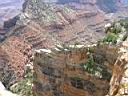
[119,80]
[59,73]
[62,73]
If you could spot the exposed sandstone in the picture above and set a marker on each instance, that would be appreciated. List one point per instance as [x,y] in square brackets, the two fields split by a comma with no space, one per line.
[53,24]
[43,26]
[119,81]
[60,73]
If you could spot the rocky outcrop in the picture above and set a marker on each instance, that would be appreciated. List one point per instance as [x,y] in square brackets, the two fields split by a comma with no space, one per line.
[59,73]
[119,81]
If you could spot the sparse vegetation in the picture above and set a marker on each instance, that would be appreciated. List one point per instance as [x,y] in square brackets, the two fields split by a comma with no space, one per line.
[111,38]
[113,33]
[24,87]
[89,66]
[94,69]
[124,23]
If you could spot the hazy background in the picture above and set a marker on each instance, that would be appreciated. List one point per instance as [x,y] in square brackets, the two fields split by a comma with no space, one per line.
[9,9]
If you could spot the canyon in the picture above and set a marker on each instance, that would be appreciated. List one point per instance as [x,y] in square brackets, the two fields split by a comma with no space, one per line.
[35,25]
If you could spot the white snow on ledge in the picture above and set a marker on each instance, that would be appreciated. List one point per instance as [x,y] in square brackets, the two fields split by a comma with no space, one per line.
[73,46]
[48,51]
[76,46]
[108,25]
[43,50]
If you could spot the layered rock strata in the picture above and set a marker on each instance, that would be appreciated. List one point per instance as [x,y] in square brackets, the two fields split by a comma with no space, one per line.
[61,73]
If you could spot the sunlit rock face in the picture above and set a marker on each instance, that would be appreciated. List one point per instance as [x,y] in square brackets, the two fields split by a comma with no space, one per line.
[61,73]
[119,80]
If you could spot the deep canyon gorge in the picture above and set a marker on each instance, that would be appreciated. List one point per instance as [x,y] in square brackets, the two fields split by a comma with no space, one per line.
[64,47]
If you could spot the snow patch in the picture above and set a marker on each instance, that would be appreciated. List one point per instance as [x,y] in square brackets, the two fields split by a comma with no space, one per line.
[108,25]
[43,50]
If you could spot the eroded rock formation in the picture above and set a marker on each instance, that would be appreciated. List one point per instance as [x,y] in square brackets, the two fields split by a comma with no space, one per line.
[13,57]
[119,81]
[47,25]
[62,73]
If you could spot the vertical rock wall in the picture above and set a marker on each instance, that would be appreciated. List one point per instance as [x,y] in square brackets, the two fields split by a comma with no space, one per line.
[119,80]
[62,74]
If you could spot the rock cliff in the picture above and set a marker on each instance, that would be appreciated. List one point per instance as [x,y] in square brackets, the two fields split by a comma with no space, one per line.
[119,80]
[62,73]
[39,24]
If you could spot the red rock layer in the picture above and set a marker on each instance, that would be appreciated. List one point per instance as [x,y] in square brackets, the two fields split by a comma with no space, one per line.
[17,54]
